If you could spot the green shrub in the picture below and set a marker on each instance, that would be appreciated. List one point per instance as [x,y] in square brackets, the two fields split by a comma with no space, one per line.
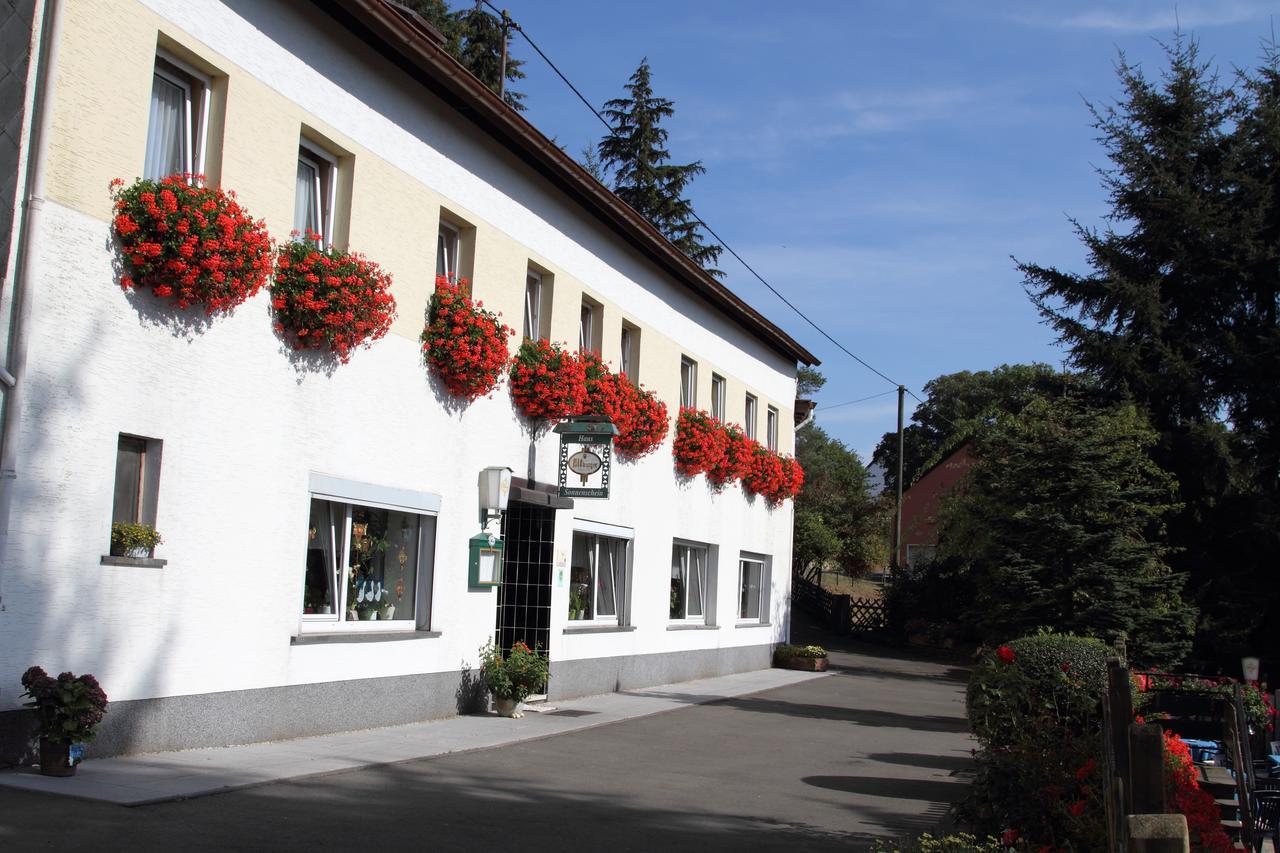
[787,652]
[128,538]
[1036,707]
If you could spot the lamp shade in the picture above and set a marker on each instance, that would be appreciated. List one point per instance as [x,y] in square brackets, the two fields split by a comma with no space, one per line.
[1250,666]
[495,488]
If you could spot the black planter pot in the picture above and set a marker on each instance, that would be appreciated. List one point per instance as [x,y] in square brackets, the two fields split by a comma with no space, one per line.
[55,759]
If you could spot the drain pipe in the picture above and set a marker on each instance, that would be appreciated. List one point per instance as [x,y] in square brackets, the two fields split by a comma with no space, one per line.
[42,76]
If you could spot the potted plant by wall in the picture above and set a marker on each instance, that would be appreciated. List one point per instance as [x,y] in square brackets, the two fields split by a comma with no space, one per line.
[807,658]
[68,709]
[512,678]
[134,540]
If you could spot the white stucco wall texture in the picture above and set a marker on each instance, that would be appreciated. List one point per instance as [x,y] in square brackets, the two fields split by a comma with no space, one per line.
[245,423]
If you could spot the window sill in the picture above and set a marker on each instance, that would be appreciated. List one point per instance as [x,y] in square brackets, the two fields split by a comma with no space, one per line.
[379,637]
[693,627]
[599,629]
[135,562]
[753,625]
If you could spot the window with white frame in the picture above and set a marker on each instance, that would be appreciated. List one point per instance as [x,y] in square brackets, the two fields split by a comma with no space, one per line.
[532,305]
[137,482]
[688,382]
[368,565]
[717,397]
[598,578]
[630,352]
[771,428]
[753,585]
[448,248]
[690,596]
[589,322]
[316,194]
[179,122]
[750,415]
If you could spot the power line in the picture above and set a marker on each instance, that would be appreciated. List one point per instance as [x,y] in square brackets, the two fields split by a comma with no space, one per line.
[823,408]
[700,221]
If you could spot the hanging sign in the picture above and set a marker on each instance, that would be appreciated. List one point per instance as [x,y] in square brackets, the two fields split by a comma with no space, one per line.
[586,451]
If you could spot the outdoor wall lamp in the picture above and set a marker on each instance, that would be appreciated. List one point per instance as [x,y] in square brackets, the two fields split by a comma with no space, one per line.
[495,489]
[484,566]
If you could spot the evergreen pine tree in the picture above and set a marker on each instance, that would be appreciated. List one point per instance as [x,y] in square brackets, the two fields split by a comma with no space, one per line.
[474,38]
[636,156]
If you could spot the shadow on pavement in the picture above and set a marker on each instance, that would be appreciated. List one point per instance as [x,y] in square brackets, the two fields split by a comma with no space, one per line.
[917,759]
[930,790]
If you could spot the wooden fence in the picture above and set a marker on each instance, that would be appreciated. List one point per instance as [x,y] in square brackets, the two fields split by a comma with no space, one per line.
[841,614]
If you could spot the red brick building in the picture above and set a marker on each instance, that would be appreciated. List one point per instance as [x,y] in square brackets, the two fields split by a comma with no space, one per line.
[921,502]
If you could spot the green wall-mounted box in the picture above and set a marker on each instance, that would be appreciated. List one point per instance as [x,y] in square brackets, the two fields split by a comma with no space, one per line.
[485,564]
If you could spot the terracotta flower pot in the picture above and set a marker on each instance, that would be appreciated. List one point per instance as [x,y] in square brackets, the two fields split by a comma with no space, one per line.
[804,664]
[55,759]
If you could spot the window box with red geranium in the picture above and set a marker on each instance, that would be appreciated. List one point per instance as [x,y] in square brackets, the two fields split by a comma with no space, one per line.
[464,344]
[639,416]
[329,299]
[735,462]
[192,244]
[548,382]
[699,444]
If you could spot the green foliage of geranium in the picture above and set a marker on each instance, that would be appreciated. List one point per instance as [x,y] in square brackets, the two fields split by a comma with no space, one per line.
[522,672]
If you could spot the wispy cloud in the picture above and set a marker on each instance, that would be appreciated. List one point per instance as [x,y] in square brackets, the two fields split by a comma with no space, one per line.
[1163,17]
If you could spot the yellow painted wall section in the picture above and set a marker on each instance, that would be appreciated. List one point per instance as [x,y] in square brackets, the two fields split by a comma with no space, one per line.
[100,121]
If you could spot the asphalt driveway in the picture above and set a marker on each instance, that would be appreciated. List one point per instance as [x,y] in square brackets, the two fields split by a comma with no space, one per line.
[877,749]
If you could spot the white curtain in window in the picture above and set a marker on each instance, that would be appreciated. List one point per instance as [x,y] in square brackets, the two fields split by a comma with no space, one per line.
[694,573]
[532,302]
[306,203]
[624,366]
[607,563]
[167,142]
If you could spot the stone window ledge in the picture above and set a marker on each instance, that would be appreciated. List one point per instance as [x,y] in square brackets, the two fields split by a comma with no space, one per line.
[599,629]
[753,625]
[371,637]
[135,562]
[678,627]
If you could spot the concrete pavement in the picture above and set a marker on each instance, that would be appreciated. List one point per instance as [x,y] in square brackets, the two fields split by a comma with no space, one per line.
[873,749]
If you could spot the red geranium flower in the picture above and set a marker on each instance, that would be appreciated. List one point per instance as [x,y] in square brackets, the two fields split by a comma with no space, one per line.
[1005,654]
[462,343]
[548,382]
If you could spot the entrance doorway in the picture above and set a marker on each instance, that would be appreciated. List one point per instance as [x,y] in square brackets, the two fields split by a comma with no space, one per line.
[524,598]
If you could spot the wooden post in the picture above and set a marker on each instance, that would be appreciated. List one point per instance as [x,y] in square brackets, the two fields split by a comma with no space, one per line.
[1120,709]
[1146,769]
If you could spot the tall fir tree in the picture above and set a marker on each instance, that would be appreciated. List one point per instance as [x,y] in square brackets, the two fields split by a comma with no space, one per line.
[636,157]
[1179,310]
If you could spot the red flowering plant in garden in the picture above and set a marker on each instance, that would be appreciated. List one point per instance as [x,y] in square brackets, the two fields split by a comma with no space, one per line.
[735,462]
[329,299]
[464,344]
[1184,794]
[548,382]
[189,243]
[639,416]
[700,442]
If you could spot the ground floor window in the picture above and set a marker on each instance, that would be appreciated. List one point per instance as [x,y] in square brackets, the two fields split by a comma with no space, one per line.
[598,577]
[365,564]
[753,577]
[689,594]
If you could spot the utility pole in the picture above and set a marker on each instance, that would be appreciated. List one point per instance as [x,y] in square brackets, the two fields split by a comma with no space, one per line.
[897,521]
[502,76]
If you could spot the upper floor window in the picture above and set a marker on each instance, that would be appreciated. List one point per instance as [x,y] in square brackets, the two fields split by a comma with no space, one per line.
[750,415]
[771,428]
[179,122]
[448,248]
[629,351]
[533,305]
[590,321]
[315,198]
[717,397]
[688,383]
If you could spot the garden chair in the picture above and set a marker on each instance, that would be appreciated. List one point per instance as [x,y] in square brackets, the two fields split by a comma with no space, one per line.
[1266,819]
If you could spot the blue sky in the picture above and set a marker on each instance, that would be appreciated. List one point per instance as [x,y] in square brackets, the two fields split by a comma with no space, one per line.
[879,162]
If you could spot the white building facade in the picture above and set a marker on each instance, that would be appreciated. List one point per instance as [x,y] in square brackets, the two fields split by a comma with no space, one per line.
[260,467]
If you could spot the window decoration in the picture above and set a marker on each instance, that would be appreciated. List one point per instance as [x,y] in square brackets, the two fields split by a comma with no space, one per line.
[725,453]
[362,563]
[463,343]
[597,577]
[688,582]
[548,382]
[330,299]
[188,243]
[700,442]
[641,418]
